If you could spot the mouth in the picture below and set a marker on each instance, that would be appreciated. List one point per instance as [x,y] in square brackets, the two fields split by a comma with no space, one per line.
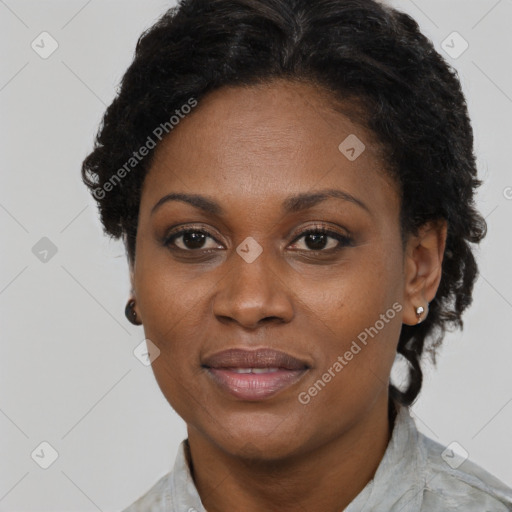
[256,374]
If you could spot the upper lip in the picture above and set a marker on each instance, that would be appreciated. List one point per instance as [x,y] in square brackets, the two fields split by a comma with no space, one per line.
[259,358]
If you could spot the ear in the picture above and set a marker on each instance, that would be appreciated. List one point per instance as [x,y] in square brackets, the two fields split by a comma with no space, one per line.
[131,268]
[132,278]
[137,320]
[423,268]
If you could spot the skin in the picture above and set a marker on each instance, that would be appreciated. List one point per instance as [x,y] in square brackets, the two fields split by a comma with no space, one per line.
[249,149]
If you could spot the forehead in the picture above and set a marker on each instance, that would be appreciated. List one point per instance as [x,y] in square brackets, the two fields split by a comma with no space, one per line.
[263,142]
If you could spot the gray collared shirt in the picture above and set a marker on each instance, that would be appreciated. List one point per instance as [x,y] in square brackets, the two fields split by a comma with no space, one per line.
[416,474]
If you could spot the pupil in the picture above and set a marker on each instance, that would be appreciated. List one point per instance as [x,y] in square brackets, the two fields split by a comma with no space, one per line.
[193,240]
[318,241]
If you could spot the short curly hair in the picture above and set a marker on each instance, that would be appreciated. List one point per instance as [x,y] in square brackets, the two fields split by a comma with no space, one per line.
[362,50]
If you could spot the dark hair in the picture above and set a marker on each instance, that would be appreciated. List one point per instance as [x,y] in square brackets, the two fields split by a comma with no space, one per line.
[359,50]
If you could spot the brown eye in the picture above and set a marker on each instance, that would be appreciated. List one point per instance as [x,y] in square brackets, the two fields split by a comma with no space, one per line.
[189,240]
[317,239]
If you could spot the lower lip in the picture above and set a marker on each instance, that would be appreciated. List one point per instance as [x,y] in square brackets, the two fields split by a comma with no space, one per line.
[254,386]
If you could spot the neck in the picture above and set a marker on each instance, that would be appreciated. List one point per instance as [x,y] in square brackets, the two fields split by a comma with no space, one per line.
[327,478]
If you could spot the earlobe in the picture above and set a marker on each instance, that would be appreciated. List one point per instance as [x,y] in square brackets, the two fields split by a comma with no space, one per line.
[415,311]
[421,313]
[423,270]
[130,312]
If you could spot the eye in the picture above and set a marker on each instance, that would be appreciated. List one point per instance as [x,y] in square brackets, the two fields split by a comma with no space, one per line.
[317,240]
[191,239]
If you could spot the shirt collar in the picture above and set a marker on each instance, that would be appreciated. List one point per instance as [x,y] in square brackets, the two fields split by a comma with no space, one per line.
[398,482]
[184,491]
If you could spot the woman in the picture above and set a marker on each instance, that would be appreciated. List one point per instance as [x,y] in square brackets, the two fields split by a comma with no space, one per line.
[294,184]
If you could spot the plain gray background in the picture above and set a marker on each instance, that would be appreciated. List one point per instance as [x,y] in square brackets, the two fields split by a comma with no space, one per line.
[68,373]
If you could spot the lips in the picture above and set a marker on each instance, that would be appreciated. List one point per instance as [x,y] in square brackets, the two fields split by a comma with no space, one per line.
[253,375]
[261,358]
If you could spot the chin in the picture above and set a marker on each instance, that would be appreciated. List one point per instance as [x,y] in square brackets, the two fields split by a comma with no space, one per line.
[260,437]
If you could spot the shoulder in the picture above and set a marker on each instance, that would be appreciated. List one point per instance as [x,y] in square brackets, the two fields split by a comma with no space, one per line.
[173,492]
[157,498]
[455,483]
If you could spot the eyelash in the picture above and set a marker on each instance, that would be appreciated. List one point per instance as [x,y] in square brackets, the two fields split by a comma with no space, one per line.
[344,240]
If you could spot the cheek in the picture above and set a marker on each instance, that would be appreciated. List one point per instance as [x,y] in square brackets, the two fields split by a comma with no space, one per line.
[357,316]
[173,317]
[169,299]
[352,297]
[172,321]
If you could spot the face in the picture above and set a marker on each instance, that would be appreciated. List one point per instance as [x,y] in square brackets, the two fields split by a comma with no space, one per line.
[266,259]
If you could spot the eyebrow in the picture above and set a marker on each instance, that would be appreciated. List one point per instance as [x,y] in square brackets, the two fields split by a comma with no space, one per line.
[291,204]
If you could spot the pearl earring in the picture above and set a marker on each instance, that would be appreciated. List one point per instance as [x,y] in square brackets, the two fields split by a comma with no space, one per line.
[419,311]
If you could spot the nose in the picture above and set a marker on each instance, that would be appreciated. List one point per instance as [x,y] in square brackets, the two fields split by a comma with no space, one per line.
[253,293]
